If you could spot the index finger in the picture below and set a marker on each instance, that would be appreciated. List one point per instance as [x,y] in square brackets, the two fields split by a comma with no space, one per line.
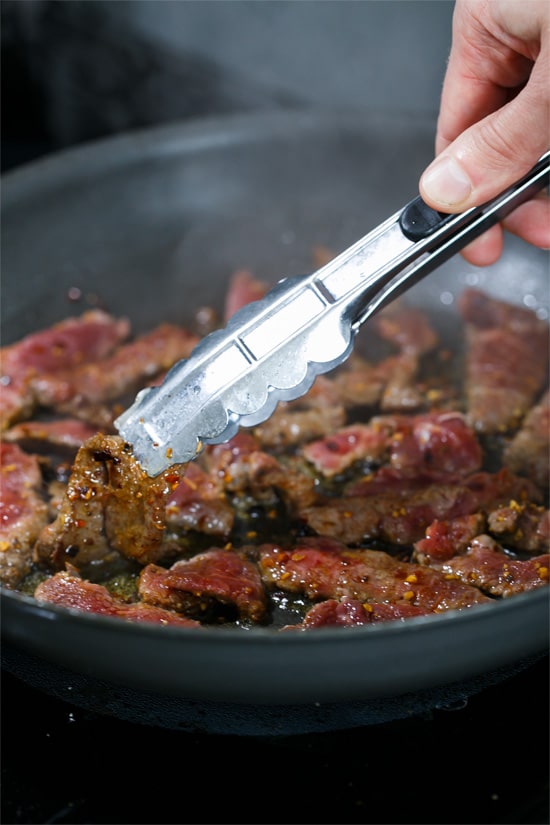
[481,75]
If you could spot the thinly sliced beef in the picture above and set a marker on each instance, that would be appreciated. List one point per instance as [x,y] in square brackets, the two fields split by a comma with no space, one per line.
[64,346]
[528,453]
[495,489]
[487,566]
[41,436]
[446,539]
[199,503]
[438,441]
[524,526]
[290,425]
[503,377]
[402,393]
[322,568]
[335,453]
[199,585]
[125,370]
[392,383]
[407,327]
[245,468]
[68,590]
[393,517]
[23,512]
[401,482]
[110,504]
[354,613]
[402,516]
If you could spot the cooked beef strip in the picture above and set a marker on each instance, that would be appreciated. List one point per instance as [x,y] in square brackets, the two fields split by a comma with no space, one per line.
[503,378]
[437,441]
[43,436]
[407,327]
[393,517]
[402,482]
[495,489]
[321,568]
[528,453]
[244,467]
[196,585]
[110,503]
[124,371]
[289,425]
[23,512]
[335,453]
[446,539]
[402,516]
[27,364]
[354,613]
[69,590]
[487,566]
[401,394]
[391,384]
[199,503]
[410,330]
[524,526]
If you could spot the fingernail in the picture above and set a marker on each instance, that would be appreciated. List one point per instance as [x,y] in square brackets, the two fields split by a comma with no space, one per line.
[446,182]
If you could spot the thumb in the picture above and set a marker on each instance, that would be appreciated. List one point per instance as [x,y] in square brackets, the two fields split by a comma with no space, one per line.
[490,155]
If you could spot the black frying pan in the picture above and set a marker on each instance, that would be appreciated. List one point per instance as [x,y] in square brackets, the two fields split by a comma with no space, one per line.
[151,225]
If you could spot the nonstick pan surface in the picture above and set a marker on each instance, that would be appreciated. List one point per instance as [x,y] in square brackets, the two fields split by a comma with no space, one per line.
[151,225]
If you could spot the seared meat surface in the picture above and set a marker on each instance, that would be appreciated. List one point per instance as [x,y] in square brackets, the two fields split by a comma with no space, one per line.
[410,481]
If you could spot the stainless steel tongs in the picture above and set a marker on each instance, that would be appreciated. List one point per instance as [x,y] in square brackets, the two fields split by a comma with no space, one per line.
[273,349]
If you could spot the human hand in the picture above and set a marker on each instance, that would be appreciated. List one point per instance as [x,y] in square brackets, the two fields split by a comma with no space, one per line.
[494,119]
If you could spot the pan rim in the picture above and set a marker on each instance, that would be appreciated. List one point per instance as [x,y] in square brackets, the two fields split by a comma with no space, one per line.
[204,132]
[53,612]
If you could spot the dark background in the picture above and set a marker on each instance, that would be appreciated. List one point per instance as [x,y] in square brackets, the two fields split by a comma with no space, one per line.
[77,71]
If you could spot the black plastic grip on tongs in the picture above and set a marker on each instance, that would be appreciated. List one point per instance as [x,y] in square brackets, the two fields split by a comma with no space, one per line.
[418,220]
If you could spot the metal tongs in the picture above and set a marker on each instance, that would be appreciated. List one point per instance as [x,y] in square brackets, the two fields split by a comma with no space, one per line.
[273,349]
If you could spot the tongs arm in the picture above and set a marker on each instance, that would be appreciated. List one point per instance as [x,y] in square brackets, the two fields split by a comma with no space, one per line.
[438,236]
[273,349]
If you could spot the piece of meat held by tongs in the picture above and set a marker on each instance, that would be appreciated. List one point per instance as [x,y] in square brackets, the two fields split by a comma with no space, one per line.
[273,349]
